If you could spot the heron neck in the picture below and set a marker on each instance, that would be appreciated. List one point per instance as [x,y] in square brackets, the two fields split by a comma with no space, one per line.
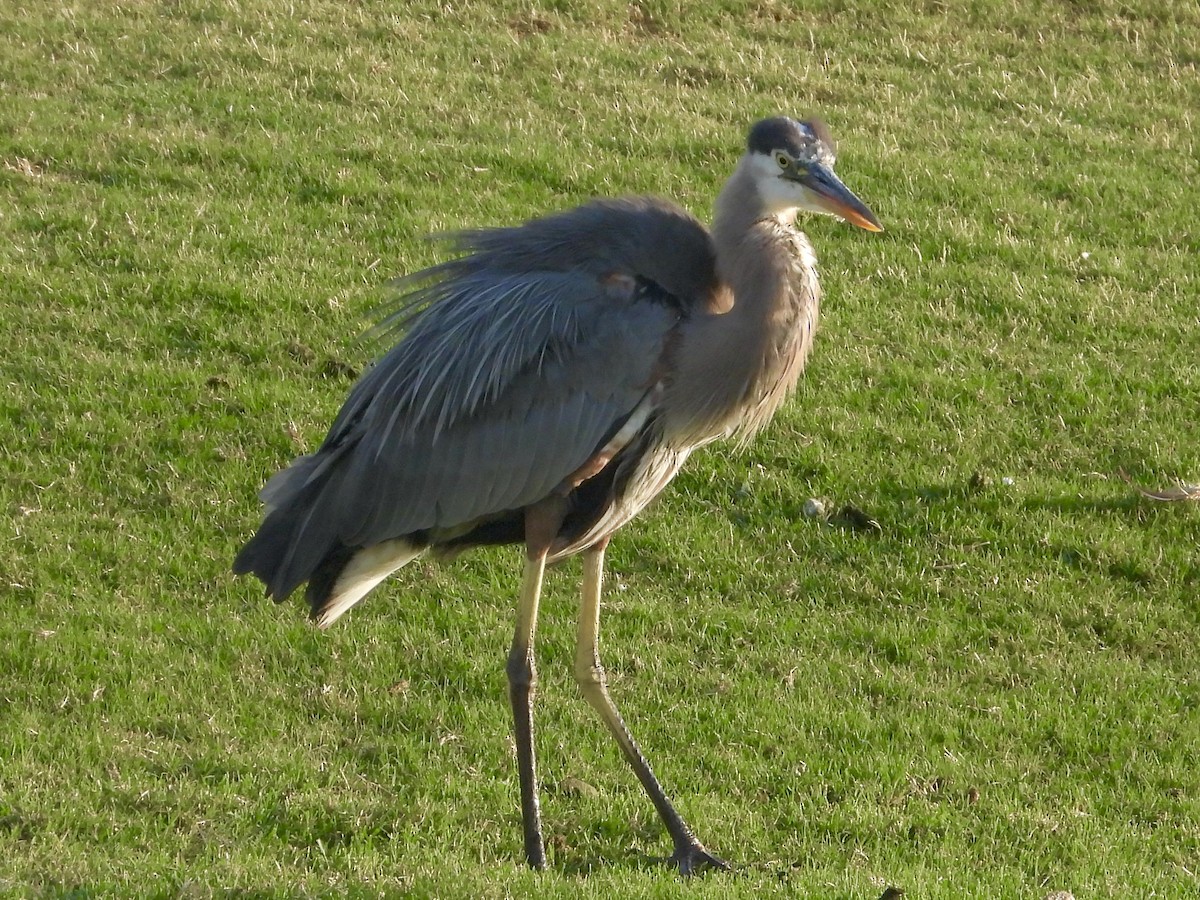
[753,250]
[768,265]
[749,358]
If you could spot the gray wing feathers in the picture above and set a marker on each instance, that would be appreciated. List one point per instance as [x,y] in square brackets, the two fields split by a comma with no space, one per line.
[643,235]
[517,362]
[507,454]
[521,297]
[478,334]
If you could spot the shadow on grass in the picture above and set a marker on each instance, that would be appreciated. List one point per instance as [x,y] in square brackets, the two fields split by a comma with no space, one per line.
[792,877]
[970,495]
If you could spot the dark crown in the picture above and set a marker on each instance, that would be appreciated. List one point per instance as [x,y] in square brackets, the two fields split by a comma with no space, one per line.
[796,138]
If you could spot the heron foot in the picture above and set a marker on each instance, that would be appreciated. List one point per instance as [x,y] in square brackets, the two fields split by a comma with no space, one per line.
[692,859]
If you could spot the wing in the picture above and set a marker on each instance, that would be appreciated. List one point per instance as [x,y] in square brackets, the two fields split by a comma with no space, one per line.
[505,418]
[521,360]
[468,325]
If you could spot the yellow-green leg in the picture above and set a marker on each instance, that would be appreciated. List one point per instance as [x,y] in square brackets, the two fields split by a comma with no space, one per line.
[690,855]
[522,684]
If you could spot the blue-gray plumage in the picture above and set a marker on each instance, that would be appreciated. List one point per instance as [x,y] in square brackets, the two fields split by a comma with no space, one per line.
[547,384]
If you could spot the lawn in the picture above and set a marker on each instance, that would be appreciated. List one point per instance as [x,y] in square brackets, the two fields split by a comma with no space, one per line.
[994,693]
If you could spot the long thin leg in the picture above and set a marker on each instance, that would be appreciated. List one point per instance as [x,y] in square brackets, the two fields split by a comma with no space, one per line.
[690,855]
[522,684]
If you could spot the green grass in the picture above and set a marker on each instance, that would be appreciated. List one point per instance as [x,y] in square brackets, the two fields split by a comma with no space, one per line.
[996,695]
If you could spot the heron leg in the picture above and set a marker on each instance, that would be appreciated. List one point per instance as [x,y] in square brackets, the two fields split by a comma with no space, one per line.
[690,855]
[522,684]
[542,522]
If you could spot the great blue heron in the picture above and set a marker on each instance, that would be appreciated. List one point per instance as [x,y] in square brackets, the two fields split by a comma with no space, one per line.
[548,384]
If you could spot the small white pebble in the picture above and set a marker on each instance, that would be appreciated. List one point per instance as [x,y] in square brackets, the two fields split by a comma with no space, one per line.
[1085,255]
[813,508]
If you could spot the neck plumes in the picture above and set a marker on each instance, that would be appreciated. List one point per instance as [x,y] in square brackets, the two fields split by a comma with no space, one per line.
[734,369]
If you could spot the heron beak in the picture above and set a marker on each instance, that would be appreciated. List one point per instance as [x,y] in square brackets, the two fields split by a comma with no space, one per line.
[837,199]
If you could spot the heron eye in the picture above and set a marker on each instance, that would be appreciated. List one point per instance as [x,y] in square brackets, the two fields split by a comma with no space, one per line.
[782,159]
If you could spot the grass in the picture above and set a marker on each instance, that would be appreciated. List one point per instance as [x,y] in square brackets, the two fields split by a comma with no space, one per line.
[994,695]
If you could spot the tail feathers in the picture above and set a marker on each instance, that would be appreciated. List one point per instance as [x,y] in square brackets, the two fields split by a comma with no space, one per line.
[270,556]
[349,574]
[339,579]
[300,540]
[299,531]
[286,484]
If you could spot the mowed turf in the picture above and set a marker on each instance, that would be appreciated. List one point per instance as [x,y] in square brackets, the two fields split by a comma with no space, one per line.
[994,693]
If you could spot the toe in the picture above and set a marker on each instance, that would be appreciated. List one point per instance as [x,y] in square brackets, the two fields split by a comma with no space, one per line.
[692,859]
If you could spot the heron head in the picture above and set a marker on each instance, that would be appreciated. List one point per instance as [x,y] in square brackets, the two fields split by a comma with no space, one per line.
[792,165]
